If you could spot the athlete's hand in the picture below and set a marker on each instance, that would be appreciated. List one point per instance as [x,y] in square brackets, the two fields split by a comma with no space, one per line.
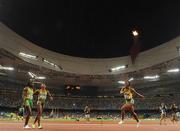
[142,97]
[51,98]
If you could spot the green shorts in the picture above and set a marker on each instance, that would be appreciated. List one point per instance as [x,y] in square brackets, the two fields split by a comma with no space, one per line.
[28,102]
[129,101]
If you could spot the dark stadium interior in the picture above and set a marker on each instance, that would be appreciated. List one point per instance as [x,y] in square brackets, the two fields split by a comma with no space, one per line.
[84,52]
[91,28]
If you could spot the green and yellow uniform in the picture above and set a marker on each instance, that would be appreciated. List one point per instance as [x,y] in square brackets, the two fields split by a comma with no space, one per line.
[128,95]
[28,97]
[42,95]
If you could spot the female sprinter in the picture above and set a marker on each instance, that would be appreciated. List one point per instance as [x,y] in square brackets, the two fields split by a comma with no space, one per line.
[163,109]
[173,109]
[28,102]
[87,112]
[42,94]
[128,93]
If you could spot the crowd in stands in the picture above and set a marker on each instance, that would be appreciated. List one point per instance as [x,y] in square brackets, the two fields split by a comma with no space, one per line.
[78,103]
[11,96]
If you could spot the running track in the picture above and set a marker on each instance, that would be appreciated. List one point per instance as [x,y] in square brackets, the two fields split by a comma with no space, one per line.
[75,126]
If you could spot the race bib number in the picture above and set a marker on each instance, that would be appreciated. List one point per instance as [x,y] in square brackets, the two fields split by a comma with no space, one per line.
[43,96]
[127,96]
[30,97]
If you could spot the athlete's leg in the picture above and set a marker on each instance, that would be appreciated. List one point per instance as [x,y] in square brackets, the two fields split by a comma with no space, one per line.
[161,119]
[38,110]
[88,117]
[29,112]
[173,118]
[176,119]
[40,113]
[165,119]
[134,114]
[123,108]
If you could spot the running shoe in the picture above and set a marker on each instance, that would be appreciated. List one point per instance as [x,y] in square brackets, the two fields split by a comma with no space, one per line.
[26,127]
[33,126]
[121,122]
[138,124]
[40,127]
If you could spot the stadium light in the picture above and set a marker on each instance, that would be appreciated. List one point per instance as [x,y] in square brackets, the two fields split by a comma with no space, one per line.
[31,75]
[118,68]
[135,33]
[6,68]
[28,56]
[173,70]
[151,77]
[50,63]
[121,82]
[35,76]
[40,77]
[131,79]
[78,87]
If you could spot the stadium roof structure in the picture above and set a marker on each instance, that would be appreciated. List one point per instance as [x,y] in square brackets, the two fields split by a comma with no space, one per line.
[69,70]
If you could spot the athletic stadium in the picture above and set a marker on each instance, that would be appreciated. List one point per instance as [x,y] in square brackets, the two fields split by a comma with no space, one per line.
[74,83]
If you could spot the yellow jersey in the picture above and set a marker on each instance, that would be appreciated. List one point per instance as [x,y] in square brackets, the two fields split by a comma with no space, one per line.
[128,93]
[42,95]
[28,94]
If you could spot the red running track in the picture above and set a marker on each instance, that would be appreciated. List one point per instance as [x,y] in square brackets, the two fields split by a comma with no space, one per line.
[77,126]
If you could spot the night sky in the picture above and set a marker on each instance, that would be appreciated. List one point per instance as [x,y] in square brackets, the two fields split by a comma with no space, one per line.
[92,28]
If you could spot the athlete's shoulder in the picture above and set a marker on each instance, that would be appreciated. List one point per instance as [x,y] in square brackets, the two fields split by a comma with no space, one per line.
[47,91]
[131,88]
[36,91]
[26,88]
[123,88]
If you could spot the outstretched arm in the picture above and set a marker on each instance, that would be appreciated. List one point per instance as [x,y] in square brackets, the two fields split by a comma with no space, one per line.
[137,93]
[50,96]
[36,92]
[166,107]
[122,90]
[160,108]
[24,94]
[171,107]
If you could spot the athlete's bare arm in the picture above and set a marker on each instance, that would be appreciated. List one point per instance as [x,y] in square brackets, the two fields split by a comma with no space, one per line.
[137,93]
[122,90]
[50,96]
[36,92]
[24,92]
[165,107]
[171,107]
[85,109]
